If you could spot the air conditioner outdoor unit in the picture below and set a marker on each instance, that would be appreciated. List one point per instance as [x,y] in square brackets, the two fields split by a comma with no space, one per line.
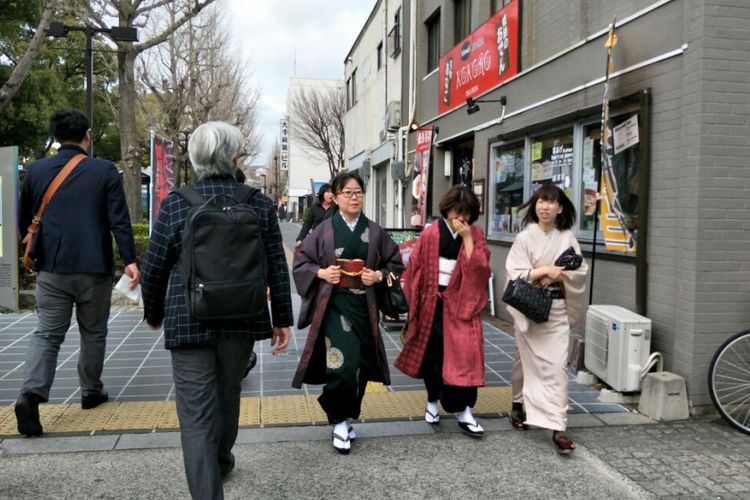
[618,344]
[393,115]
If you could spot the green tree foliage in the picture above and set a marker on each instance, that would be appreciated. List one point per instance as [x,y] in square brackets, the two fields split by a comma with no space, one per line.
[56,80]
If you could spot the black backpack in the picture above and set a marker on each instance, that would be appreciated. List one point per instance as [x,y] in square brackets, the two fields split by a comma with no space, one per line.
[223,257]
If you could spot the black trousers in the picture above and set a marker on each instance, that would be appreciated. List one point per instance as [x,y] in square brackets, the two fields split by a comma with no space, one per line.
[452,398]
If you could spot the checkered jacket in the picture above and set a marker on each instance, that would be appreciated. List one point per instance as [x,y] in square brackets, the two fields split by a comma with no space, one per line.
[164,296]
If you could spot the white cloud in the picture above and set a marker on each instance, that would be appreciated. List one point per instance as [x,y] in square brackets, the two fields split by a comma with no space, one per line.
[284,38]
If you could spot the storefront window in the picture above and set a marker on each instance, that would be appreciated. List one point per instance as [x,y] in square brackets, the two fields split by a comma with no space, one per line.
[591,161]
[507,166]
[552,161]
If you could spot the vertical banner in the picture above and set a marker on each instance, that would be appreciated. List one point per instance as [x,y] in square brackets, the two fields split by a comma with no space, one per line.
[8,224]
[162,174]
[420,180]
[284,146]
[617,237]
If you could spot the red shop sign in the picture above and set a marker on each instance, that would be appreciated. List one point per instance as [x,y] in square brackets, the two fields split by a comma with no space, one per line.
[487,57]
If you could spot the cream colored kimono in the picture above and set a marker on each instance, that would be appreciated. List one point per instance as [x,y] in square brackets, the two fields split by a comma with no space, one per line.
[543,347]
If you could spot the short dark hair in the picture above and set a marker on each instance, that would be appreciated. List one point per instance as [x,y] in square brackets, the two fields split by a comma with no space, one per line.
[322,191]
[550,192]
[461,199]
[68,125]
[341,179]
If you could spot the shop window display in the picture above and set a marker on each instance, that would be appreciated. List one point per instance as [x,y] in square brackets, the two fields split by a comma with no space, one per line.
[507,166]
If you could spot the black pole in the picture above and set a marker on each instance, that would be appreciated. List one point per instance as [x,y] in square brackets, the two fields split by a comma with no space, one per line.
[89,85]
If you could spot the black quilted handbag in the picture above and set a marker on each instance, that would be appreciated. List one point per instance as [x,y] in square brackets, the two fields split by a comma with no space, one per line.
[533,301]
[390,296]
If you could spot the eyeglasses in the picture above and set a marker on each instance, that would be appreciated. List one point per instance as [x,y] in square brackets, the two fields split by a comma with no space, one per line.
[351,194]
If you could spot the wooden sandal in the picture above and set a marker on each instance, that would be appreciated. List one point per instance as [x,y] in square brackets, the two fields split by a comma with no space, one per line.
[517,419]
[565,445]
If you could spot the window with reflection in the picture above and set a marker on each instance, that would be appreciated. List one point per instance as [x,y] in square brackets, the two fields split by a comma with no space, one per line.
[625,167]
[507,167]
[552,161]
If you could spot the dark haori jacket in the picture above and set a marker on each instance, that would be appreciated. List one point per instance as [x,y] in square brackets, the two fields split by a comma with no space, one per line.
[317,251]
[77,227]
[316,215]
[163,292]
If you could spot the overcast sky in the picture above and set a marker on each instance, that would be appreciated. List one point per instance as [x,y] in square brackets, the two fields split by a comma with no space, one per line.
[269,32]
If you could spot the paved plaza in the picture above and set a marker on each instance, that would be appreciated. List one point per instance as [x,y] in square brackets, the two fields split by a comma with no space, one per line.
[129,447]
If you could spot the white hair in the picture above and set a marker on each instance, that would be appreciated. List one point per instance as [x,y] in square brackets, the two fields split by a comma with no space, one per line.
[213,147]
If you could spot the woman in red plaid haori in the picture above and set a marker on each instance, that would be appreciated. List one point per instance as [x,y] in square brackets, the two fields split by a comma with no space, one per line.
[446,289]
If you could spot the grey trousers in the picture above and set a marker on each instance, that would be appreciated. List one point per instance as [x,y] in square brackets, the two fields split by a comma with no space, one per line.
[55,296]
[207,387]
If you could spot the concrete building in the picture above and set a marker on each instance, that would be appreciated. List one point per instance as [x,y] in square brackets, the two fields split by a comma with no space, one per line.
[373,83]
[678,89]
[306,167]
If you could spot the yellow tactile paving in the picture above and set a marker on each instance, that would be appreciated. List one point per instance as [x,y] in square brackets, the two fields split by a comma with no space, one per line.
[250,411]
[392,405]
[137,415]
[284,410]
[169,418]
[493,400]
[379,404]
[76,419]
[375,387]
[317,415]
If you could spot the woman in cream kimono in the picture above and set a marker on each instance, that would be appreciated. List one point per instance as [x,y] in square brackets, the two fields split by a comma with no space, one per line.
[540,386]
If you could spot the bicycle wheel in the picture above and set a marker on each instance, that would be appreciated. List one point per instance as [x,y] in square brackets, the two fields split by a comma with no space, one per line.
[729,381]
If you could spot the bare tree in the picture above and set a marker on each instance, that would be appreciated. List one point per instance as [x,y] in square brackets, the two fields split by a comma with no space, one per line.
[194,78]
[318,123]
[138,13]
[19,73]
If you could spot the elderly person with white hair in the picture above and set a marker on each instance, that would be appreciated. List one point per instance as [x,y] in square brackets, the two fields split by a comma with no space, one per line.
[209,357]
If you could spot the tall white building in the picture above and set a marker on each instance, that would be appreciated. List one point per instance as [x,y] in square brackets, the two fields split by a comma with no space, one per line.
[306,167]
[372,122]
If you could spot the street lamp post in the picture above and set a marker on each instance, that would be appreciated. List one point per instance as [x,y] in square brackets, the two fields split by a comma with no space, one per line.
[117,33]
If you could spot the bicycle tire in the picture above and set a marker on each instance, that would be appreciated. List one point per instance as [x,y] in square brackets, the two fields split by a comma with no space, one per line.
[729,381]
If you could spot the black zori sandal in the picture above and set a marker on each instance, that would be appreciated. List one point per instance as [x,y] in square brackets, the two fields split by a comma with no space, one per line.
[341,444]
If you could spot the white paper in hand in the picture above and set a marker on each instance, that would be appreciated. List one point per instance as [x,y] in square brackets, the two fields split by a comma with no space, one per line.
[123,286]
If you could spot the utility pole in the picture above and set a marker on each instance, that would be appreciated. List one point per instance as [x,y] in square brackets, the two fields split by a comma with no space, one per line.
[276,173]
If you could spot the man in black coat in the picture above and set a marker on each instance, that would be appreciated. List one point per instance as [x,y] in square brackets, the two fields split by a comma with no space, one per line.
[72,255]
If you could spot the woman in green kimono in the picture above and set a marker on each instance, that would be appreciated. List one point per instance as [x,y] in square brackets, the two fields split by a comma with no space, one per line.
[336,271]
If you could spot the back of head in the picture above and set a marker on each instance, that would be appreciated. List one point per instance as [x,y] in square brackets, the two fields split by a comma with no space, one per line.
[68,126]
[213,148]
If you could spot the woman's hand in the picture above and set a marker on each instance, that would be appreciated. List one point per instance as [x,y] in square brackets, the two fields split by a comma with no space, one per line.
[462,227]
[555,273]
[331,274]
[370,277]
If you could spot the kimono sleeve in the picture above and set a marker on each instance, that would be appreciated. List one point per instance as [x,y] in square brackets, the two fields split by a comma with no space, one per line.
[306,264]
[518,263]
[475,273]
[411,275]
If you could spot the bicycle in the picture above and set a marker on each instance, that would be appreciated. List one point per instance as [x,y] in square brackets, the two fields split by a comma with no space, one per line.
[729,381]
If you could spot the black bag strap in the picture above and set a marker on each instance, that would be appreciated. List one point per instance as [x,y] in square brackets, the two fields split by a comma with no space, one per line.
[191,195]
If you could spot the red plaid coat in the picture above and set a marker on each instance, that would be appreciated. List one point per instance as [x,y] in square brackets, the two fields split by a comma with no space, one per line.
[463,301]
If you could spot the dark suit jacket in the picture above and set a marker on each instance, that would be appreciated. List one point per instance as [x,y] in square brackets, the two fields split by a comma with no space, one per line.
[161,283]
[78,224]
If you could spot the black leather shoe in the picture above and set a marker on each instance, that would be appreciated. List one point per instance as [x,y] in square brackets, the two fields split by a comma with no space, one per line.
[93,399]
[251,362]
[27,415]
[225,468]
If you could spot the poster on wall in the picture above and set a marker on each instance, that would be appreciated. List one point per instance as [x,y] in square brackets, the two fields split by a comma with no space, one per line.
[420,179]
[486,58]
[162,174]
